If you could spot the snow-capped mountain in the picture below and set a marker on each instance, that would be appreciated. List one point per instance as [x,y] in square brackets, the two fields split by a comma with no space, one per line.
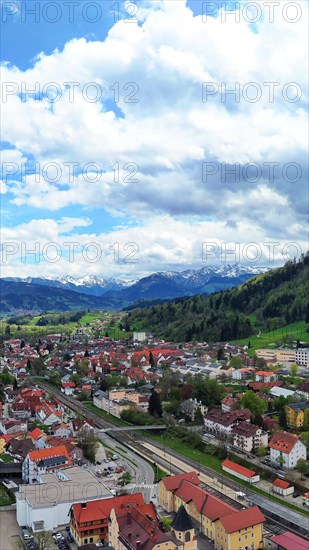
[164,284]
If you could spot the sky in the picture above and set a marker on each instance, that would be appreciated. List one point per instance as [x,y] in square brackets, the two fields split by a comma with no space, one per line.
[152,135]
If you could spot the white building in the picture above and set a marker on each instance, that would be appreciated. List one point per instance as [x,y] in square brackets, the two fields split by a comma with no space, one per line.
[41,461]
[45,506]
[276,391]
[302,357]
[249,437]
[286,449]
[139,336]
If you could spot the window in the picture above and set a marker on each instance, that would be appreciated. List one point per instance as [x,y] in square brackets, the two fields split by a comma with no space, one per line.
[187,536]
[252,546]
[85,541]
[91,539]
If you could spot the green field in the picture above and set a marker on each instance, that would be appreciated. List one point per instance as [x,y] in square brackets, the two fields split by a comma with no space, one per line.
[294,331]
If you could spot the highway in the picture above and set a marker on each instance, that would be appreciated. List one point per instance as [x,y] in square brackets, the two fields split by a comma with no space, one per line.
[172,461]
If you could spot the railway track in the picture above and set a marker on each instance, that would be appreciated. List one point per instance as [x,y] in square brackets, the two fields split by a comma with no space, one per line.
[274,524]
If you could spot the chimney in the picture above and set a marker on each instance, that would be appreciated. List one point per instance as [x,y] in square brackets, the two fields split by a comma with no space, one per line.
[84,504]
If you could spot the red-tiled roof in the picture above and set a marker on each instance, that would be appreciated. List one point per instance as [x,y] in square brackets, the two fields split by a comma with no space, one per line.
[289,541]
[281,484]
[36,433]
[242,519]
[238,468]
[100,509]
[43,454]
[283,441]
[173,482]
[264,373]
[205,503]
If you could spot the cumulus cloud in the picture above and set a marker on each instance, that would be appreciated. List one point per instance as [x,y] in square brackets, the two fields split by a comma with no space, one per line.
[162,145]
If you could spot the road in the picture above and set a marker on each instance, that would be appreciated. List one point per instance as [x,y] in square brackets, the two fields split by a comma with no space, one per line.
[141,470]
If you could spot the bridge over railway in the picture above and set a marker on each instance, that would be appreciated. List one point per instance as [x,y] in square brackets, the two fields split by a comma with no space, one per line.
[126,429]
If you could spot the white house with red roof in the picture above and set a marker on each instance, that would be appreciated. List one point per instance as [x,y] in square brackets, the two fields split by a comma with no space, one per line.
[282,487]
[43,461]
[286,449]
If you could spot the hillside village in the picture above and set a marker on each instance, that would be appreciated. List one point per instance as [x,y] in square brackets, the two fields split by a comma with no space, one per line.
[248,413]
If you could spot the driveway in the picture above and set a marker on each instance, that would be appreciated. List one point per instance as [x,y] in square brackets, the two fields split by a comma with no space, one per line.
[9,530]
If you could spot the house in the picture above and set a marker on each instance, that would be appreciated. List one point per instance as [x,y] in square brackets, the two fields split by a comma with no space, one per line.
[191,406]
[249,437]
[79,424]
[136,528]
[286,449]
[45,460]
[46,505]
[296,414]
[38,437]
[228,403]
[283,488]
[265,376]
[19,448]
[241,374]
[240,471]
[13,425]
[68,387]
[61,429]
[89,520]
[221,423]
[303,389]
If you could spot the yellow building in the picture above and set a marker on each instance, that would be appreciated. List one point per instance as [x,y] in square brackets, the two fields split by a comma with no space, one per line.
[3,442]
[296,413]
[227,527]
[168,485]
[241,530]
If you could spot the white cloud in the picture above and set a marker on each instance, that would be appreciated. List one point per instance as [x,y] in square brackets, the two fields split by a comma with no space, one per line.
[170,131]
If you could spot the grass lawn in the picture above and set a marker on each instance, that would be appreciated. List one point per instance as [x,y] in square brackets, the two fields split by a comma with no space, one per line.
[6,458]
[105,415]
[267,339]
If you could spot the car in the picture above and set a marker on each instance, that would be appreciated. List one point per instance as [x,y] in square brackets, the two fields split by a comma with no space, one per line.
[70,538]
[295,494]
[99,544]
[85,466]
[106,460]
[56,535]
[98,463]
[115,457]
[67,528]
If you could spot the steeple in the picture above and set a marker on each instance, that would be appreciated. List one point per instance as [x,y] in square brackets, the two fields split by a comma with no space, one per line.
[182,521]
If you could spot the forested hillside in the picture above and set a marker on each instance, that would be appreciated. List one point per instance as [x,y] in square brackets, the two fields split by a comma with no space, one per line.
[271,300]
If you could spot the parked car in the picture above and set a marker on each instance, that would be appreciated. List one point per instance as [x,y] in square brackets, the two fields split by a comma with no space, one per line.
[106,460]
[296,494]
[115,457]
[119,470]
[98,463]
[70,538]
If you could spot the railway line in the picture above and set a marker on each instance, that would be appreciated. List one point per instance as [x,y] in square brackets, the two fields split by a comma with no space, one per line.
[278,521]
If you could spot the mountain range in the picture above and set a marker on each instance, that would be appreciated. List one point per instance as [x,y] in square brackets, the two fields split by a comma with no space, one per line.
[91,292]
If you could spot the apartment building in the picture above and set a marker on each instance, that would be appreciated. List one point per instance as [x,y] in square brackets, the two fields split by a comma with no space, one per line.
[222,423]
[42,461]
[297,413]
[286,449]
[249,437]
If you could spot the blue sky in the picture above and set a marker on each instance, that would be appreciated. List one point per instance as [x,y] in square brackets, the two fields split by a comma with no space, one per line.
[157,160]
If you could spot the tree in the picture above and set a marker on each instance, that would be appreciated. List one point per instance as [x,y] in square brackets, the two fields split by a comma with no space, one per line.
[22,344]
[86,354]
[281,460]
[38,366]
[125,479]
[262,451]
[220,354]
[294,370]
[251,401]
[43,540]
[7,331]
[301,467]
[154,406]
[236,362]
[151,360]
[15,385]
[304,436]
[88,442]
[306,420]
[28,364]
[282,418]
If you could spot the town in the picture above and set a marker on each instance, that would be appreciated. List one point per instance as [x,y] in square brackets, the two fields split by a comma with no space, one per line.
[118,439]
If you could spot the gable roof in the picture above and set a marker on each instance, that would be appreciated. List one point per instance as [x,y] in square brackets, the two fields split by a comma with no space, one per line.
[242,519]
[289,541]
[283,441]
[36,433]
[100,509]
[50,452]
[205,503]
[238,468]
[173,482]
[281,483]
